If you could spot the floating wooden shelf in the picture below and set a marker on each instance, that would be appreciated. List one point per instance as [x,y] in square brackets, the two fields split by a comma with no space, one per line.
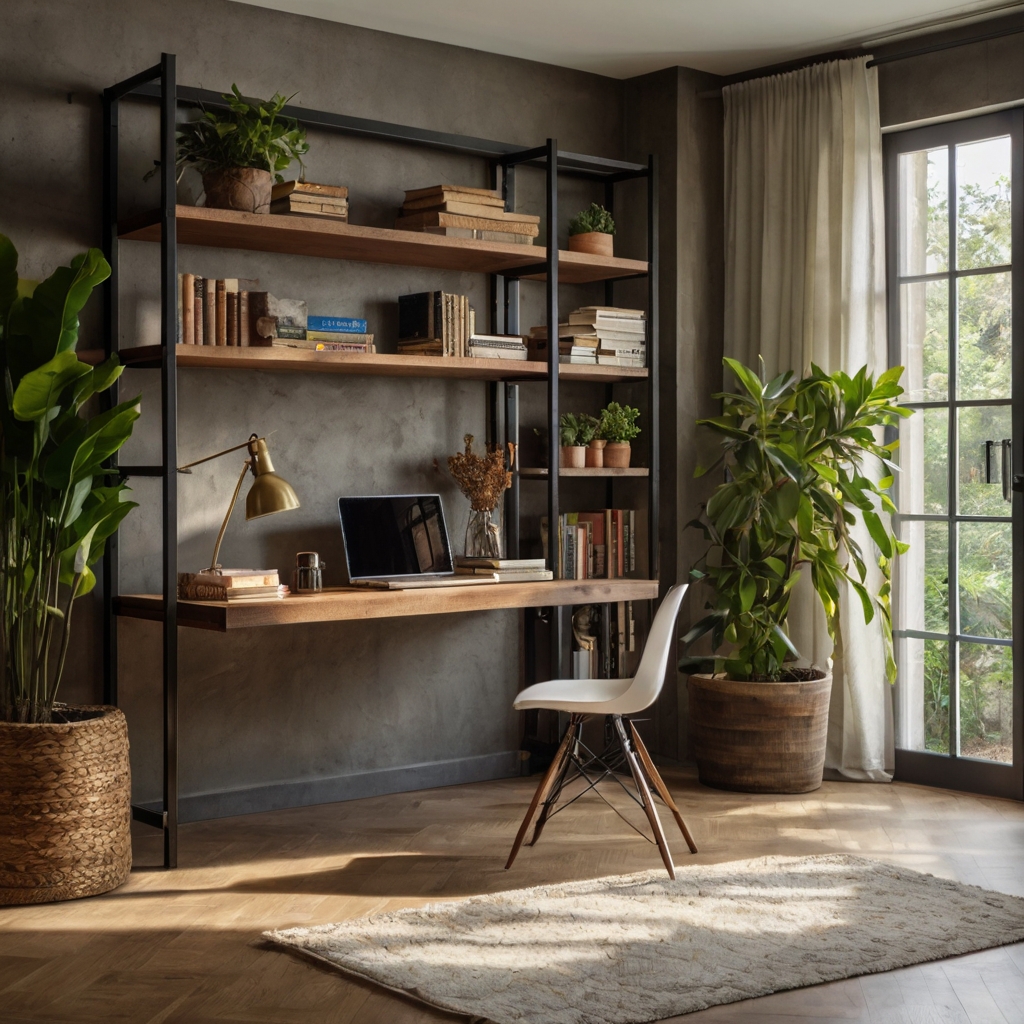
[541,473]
[312,236]
[297,360]
[348,603]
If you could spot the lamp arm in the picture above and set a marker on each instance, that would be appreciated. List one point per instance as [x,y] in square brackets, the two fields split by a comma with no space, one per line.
[223,526]
[227,451]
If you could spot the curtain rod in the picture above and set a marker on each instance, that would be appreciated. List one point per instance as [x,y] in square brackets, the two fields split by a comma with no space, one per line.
[948,45]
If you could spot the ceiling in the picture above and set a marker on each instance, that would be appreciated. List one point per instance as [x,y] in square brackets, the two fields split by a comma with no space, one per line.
[622,38]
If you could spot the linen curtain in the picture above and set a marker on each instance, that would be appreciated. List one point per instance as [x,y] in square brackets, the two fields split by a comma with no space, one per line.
[805,282]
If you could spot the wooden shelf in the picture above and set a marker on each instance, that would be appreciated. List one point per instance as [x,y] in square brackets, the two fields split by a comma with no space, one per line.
[295,360]
[347,603]
[313,236]
[541,473]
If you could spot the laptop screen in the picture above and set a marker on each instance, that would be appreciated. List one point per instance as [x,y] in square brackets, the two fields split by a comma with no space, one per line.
[394,535]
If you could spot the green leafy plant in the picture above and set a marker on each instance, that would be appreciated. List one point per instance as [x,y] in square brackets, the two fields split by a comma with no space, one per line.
[796,485]
[571,429]
[618,423]
[58,508]
[248,134]
[594,218]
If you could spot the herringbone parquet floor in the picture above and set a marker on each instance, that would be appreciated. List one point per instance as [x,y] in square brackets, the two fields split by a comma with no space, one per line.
[183,947]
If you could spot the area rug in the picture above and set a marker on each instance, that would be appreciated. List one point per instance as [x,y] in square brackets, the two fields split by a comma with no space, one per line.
[635,948]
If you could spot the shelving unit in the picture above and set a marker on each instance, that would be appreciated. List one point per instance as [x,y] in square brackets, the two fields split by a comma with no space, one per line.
[506,264]
[540,473]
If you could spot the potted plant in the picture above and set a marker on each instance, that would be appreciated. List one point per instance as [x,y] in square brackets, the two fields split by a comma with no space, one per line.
[595,445]
[796,485]
[573,449]
[240,152]
[618,427]
[591,231]
[64,776]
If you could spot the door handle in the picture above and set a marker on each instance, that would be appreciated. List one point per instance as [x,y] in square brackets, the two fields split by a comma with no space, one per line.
[1007,468]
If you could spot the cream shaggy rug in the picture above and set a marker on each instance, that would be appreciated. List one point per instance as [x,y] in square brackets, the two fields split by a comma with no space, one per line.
[636,948]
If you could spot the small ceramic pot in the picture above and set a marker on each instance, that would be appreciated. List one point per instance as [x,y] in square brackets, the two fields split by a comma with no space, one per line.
[596,243]
[616,455]
[573,456]
[595,453]
[238,188]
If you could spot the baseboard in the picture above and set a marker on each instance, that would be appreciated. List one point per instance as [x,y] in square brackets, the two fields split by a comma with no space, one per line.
[352,786]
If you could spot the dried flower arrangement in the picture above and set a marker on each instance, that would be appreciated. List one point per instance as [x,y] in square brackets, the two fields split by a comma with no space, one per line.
[483,478]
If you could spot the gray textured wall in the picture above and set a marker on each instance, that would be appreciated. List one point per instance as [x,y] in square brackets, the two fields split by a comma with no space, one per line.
[296,714]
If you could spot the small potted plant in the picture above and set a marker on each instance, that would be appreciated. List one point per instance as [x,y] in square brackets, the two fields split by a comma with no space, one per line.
[618,427]
[240,152]
[595,445]
[592,231]
[796,486]
[571,431]
[65,786]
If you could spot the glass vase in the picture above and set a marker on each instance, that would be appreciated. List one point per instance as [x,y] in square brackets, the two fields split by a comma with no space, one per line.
[484,534]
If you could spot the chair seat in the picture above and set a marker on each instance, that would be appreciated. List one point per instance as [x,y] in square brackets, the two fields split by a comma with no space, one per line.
[584,696]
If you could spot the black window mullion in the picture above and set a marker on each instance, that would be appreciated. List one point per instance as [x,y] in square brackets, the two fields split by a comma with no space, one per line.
[953,461]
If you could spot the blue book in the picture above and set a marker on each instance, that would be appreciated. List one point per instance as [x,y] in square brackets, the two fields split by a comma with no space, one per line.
[336,324]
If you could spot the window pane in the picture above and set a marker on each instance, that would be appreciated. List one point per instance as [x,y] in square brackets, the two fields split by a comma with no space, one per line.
[983,203]
[986,702]
[922,695]
[923,481]
[978,425]
[984,305]
[986,579]
[923,206]
[923,577]
[924,329]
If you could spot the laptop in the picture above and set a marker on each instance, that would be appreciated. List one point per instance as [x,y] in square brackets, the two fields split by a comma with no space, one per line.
[399,542]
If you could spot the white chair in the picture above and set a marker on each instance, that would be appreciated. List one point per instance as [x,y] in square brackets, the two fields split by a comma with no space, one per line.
[617,698]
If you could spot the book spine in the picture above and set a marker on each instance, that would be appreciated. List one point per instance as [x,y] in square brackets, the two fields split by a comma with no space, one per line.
[199,285]
[337,324]
[188,309]
[231,319]
[210,313]
[632,541]
[221,329]
[243,319]
[179,332]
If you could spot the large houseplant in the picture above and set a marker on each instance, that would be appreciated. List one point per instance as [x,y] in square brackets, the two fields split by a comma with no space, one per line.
[64,778]
[801,456]
[241,151]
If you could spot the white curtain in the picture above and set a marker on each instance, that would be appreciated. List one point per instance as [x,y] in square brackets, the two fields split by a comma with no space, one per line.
[805,282]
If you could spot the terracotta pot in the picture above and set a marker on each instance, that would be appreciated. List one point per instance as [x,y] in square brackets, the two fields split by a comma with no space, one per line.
[572,456]
[65,806]
[759,737]
[597,243]
[595,453]
[238,188]
[616,454]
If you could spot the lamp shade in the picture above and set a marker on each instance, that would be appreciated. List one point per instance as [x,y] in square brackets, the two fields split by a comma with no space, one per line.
[269,492]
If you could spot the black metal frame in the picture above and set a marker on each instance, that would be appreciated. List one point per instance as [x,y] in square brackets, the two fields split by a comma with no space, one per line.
[953,770]
[159,84]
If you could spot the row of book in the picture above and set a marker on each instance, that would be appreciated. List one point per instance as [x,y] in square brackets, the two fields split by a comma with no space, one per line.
[230,585]
[307,199]
[594,545]
[458,211]
[444,324]
[603,638]
[600,336]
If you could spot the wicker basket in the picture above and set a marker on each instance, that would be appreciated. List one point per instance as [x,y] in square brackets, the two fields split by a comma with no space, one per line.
[65,806]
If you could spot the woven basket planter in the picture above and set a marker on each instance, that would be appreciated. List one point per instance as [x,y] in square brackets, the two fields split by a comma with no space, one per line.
[65,806]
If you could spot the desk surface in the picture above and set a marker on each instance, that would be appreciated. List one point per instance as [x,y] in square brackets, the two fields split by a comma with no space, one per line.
[338,604]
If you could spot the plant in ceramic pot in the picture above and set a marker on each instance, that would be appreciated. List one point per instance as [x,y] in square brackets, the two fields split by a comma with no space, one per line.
[64,776]
[592,231]
[801,456]
[618,427]
[572,429]
[595,445]
[240,152]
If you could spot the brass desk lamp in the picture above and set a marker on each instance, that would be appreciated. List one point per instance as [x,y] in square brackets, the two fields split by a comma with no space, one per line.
[268,494]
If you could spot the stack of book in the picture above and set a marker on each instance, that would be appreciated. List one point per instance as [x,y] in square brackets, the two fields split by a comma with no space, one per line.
[594,545]
[230,585]
[497,346]
[457,211]
[435,324]
[505,570]
[308,199]
[598,335]
[329,334]
[214,311]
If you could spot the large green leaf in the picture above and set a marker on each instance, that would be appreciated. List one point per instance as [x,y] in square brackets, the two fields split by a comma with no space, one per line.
[37,392]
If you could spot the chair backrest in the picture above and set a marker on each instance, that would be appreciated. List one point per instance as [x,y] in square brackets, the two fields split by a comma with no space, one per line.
[650,676]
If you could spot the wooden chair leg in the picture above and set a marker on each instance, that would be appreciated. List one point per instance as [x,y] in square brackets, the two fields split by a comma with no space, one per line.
[659,784]
[556,790]
[646,798]
[544,788]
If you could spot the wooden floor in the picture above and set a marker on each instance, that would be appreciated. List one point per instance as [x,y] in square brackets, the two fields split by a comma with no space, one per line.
[184,947]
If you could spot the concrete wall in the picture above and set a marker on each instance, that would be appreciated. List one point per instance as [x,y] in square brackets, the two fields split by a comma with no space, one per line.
[299,714]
